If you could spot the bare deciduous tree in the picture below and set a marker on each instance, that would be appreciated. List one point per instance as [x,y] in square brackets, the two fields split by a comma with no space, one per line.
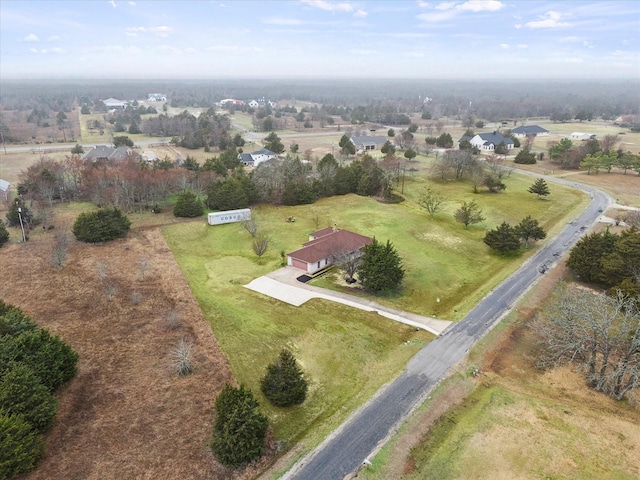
[432,200]
[598,332]
[250,226]
[60,249]
[181,358]
[260,244]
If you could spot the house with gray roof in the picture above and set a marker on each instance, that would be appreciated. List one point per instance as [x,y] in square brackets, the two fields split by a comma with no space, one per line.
[529,131]
[105,152]
[366,143]
[489,141]
[115,103]
[256,158]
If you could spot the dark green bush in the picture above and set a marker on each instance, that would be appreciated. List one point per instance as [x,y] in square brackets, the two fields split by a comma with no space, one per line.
[22,393]
[188,205]
[20,445]
[239,430]
[284,384]
[52,360]
[101,226]
[4,234]
[13,321]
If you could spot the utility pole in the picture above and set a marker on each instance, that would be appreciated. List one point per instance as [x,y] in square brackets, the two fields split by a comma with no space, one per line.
[24,239]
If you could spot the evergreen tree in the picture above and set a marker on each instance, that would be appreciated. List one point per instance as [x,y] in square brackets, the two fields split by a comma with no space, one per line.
[188,205]
[284,384]
[381,267]
[525,157]
[586,255]
[101,226]
[388,149]
[22,393]
[503,238]
[20,445]
[444,141]
[346,145]
[4,234]
[529,228]
[239,430]
[540,188]
[273,143]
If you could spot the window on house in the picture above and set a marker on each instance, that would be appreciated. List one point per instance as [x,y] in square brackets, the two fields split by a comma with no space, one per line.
[318,264]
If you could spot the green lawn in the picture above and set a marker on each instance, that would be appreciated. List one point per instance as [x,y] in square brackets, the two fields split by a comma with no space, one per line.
[347,354]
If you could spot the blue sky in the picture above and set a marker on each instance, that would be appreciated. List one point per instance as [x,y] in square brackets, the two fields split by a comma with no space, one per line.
[475,39]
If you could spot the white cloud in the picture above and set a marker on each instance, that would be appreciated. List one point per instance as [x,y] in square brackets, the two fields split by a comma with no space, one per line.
[160,31]
[133,4]
[523,45]
[437,16]
[113,3]
[504,46]
[361,13]
[234,50]
[413,55]
[422,4]
[445,6]
[33,50]
[54,38]
[550,19]
[329,6]
[481,5]
[32,37]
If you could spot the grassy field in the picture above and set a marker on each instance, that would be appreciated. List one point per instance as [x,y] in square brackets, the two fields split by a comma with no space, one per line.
[348,354]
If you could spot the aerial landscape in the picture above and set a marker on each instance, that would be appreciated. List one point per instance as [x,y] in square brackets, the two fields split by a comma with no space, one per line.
[319,239]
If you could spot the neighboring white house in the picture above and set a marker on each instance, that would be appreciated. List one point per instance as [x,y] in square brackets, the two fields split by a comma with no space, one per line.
[529,131]
[4,189]
[253,104]
[231,101]
[323,246]
[229,216]
[582,136]
[156,97]
[256,158]
[366,143]
[115,103]
[489,141]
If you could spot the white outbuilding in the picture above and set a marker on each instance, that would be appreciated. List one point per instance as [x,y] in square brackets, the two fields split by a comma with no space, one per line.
[229,216]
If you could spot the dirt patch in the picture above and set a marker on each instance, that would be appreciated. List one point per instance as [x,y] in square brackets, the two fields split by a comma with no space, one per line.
[125,412]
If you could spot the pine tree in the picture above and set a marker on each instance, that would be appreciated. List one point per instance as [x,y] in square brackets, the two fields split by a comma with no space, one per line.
[529,228]
[188,205]
[469,213]
[503,238]
[4,234]
[381,268]
[540,188]
[20,445]
[284,384]
[239,430]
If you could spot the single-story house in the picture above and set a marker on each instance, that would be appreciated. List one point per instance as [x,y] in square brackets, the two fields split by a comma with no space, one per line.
[231,101]
[105,152]
[367,143]
[489,141]
[253,104]
[529,131]
[156,97]
[4,189]
[256,158]
[582,136]
[111,103]
[323,247]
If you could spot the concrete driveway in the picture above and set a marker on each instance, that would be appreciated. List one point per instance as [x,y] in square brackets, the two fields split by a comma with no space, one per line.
[283,285]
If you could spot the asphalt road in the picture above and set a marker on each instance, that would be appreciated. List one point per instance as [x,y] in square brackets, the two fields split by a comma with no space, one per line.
[366,431]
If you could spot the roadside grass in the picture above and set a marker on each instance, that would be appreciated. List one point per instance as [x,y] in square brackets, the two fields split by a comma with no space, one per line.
[347,354]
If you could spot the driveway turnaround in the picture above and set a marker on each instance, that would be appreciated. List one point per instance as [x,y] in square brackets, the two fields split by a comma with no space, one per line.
[282,285]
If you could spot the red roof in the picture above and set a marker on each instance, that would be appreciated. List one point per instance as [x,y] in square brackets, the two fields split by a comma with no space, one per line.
[329,244]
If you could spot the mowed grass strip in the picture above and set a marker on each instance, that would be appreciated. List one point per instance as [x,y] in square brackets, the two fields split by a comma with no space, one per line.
[346,353]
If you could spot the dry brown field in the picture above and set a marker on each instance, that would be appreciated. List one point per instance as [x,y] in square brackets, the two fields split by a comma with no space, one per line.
[125,414]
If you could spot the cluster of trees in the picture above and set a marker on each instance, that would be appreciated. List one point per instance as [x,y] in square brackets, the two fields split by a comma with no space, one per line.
[462,165]
[600,153]
[600,333]
[611,260]
[601,160]
[188,131]
[33,365]
[239,430]
[505,238]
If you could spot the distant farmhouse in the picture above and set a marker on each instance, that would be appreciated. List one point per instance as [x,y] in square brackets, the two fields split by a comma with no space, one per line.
[156,97]
[529,131]
[104,152]
[4,189]
[582,136]
[366,143]
[114,103]
[230,101]
[261,102]
[488,141]
[323,247]
[256,158]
